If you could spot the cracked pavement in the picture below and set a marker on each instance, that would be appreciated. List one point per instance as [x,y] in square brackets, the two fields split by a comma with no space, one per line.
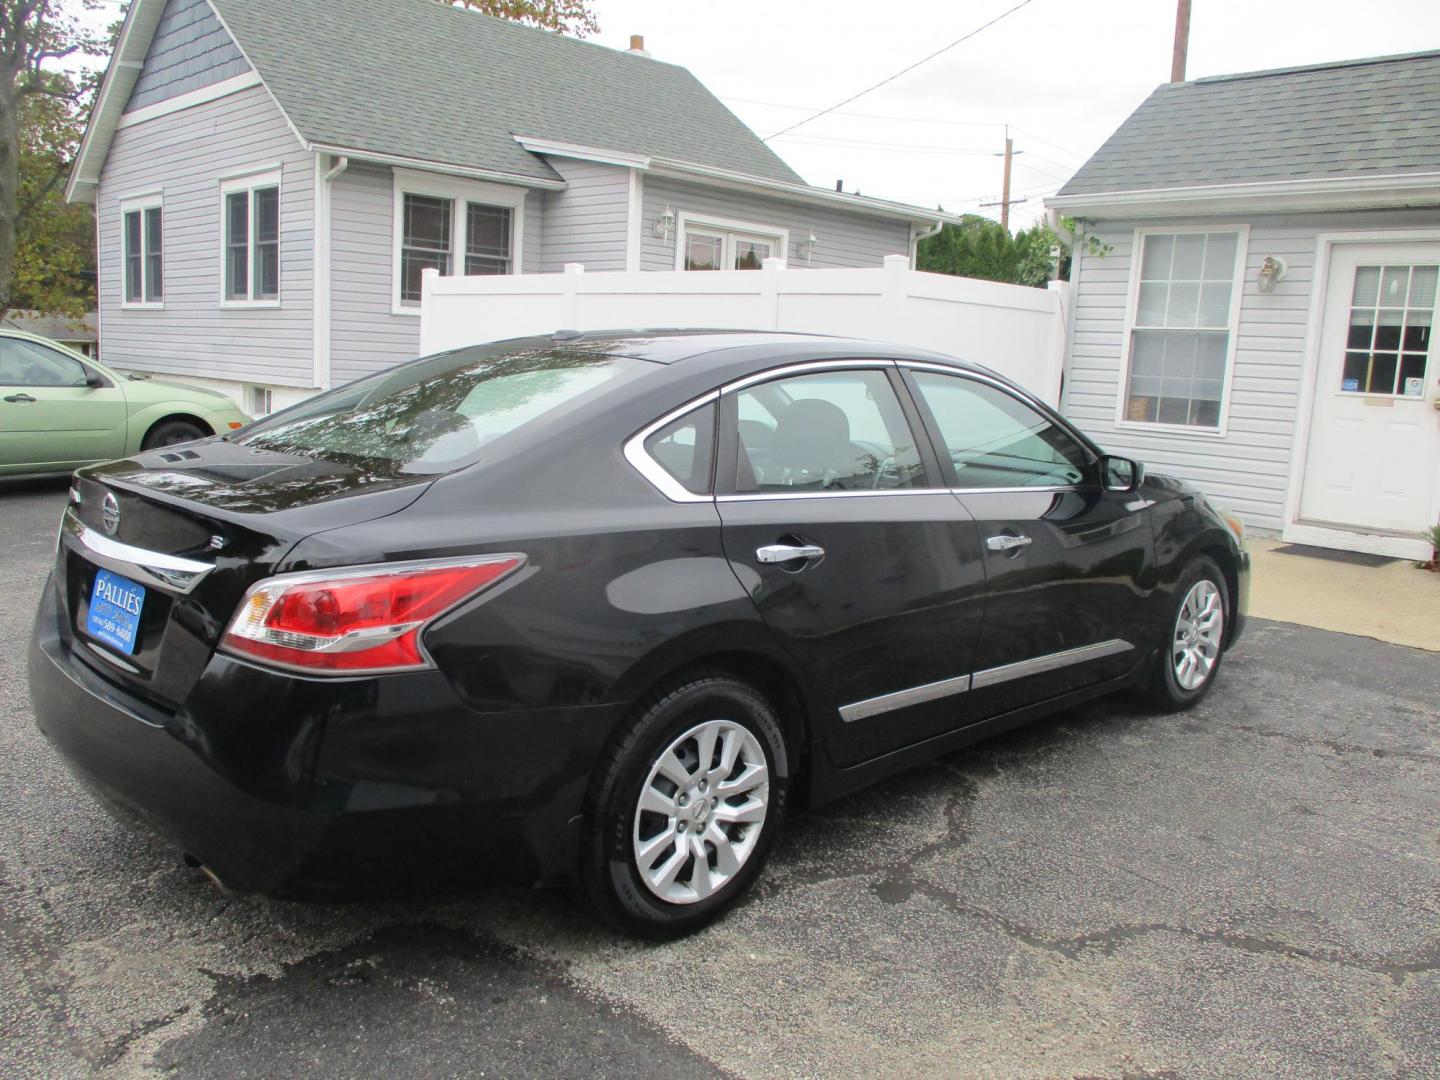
[1248,889]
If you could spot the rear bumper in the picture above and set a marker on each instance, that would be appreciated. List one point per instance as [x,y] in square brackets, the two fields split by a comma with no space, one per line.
[299,787]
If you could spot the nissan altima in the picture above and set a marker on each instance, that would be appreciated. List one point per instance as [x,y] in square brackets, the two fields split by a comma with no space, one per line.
[602,609]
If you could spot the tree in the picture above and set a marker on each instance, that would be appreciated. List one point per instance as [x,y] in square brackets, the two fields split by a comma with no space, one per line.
[565,16]
[34,34]
[981,248]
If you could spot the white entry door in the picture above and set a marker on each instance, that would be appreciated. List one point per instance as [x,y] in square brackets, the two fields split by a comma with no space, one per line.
[1373,462]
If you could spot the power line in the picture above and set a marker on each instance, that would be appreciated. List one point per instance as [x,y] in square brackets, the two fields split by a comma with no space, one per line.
[904,71]
[867,115]
[909,148]
[1057,146]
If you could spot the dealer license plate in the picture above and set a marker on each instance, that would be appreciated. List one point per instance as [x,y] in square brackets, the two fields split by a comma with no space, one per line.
[115,604]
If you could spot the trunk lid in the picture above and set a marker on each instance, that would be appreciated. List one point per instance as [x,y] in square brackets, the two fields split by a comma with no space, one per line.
[194,526]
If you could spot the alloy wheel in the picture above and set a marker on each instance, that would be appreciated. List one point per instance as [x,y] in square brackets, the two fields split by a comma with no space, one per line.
[1199,632]
[701,811]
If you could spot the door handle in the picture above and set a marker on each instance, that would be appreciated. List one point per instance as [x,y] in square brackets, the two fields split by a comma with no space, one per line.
[18,398]
[1007,543]
[781,553]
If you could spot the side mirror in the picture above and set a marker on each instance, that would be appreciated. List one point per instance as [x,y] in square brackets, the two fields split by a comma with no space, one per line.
[93,379]
[1120,473]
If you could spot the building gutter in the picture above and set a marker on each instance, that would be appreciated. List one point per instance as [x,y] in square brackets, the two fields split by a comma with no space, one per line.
[1274,196]
[377,158]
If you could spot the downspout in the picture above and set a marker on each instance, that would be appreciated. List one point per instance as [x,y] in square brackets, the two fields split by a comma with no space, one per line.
[1076,241]
[321,314]
[916,235]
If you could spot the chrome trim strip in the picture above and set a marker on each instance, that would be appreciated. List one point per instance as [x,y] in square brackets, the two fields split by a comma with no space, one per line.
[764,496]
[111,658]
[878,363]
[904,698]
[1048,662]
[1041,489]
[651,469]
[150,567]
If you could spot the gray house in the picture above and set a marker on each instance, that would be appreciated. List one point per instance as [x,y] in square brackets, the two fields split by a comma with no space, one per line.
[1260,319]
[271,177]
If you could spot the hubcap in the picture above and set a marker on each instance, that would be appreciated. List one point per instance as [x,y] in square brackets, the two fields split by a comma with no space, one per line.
[701,811]
[1199,630]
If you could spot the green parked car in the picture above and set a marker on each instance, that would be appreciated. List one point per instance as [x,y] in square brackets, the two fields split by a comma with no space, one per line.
[59,410]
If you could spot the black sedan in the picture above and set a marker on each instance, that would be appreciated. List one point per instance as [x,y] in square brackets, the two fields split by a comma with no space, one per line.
[602,608]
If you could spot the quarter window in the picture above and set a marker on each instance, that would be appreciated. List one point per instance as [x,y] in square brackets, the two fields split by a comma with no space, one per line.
[684,448]
[142,236]
[452,226]
[1181,334]
[251,209]
[995,440]
[831,431]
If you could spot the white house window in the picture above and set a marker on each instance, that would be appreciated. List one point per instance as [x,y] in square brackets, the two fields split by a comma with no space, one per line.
[1391,312]
[716,244]
[259,400]
[1183,328]
[442,223]
[142,251]
[250,209]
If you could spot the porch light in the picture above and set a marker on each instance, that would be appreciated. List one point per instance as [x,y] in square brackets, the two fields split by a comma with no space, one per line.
[665,223]
[805,248]
[1271,271]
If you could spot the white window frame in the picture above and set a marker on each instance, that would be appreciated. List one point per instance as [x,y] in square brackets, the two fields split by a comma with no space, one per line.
[1132,308]
[459,191]
[731,230]
[141,203]
[250,182]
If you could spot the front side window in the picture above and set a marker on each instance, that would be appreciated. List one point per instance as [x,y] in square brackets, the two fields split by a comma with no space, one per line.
[452,227]
[251,209]
[142,237]
[831,431]
[995,440]
[713,247]
[24,363]
[1181,334]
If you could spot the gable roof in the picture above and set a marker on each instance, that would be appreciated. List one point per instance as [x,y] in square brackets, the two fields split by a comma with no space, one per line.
[1359,120]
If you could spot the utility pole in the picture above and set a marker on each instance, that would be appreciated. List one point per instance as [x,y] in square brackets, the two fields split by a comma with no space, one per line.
[1182,41]
[1005,200]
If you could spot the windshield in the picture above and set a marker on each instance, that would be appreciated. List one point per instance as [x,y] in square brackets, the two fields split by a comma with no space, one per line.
[436,414]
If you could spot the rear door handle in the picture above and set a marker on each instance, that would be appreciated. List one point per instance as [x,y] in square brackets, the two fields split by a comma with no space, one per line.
[780,553]
[18,398]
[1007,543]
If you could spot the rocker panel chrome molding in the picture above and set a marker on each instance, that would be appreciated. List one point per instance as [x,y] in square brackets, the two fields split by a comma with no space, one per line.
[902,699]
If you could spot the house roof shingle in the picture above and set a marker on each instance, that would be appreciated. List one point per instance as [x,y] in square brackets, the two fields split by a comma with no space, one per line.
[424,80]
[1376,117]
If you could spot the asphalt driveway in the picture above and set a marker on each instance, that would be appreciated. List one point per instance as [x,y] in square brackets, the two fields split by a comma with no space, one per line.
[1251,889]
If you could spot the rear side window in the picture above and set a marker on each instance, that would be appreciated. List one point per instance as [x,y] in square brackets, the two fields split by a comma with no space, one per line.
[685,448]
[830,431]
[438,414]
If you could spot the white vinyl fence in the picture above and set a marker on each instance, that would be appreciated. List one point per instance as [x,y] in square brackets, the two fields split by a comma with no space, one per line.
[1015,330]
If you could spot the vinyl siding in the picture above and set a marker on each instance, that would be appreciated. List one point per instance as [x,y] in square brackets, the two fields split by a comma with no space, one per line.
[184,156]
[365,333]
[190,50]
[1248,469]
[843,239]
[586,222]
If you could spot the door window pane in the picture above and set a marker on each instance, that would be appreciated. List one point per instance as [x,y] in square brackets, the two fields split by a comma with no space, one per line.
[995,440]
[237,245]
[1387,346]
[831,431]
[487,239]
[1181,334]
[425,242]
[684,448]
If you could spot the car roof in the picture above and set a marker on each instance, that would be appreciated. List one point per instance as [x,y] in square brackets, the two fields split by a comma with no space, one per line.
[670,345]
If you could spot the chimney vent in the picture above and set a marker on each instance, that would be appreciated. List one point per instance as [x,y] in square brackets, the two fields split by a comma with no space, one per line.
[637,45]
[839,185]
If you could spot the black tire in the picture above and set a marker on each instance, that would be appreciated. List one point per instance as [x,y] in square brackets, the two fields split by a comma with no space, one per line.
[1164,690]
[171,432]
[610,876]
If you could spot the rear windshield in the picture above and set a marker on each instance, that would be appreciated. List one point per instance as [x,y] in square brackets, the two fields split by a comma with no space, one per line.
[436,414]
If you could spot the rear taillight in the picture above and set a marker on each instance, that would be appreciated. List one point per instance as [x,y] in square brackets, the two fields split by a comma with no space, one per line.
[367,620]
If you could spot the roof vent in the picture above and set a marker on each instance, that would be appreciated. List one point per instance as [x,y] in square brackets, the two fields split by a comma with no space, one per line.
[637,45]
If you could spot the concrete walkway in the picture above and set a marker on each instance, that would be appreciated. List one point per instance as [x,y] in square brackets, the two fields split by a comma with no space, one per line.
[1395,603]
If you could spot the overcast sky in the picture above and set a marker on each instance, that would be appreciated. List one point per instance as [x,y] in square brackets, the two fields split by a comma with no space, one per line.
[1062,73]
